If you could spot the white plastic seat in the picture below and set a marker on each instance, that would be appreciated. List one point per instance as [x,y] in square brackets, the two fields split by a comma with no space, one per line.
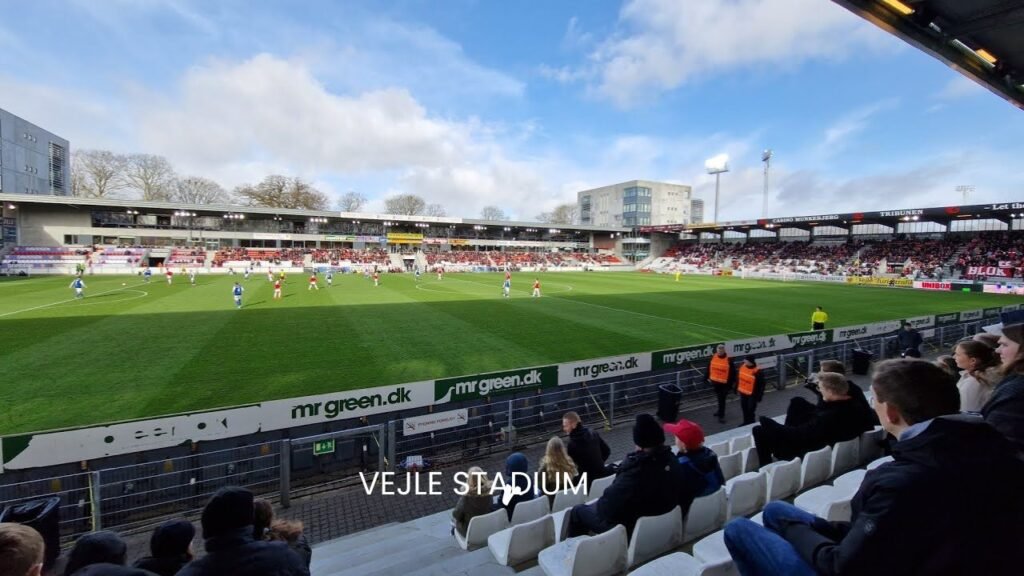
[711,552]
[751,461]
[829,502]
[530,510]
[871,445]
[845,456]
[566,500]
[601,555]
[655,535]
[746,494]
[706,515]
[480,529]
[521,543]
[741,443]
[876,463]
[850,480]
[720,448]
[816,467]
[783,479]
[561,524]
[677,564]
[598,487]
[731,464]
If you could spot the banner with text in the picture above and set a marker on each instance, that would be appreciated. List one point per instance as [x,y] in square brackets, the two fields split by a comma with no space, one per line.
[876,281]
[434,422]
[573,372]
[676,357]
[483,385]
[864,331]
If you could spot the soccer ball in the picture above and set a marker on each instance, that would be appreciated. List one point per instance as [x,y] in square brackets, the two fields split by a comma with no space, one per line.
[124,283]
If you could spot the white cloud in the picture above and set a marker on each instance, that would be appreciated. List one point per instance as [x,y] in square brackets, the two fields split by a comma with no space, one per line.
[851,124]
[663,44]
[958,88]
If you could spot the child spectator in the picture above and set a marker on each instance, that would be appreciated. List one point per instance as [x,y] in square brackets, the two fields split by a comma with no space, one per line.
[520,484]
[475,502]
[554,466]
[981,373]
[701,471]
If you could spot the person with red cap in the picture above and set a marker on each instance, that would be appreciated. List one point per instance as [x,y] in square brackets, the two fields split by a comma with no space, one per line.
[702,474]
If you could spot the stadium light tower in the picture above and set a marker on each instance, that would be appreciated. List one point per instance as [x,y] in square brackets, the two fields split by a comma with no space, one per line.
[965,189]
[717,166]
[766,157]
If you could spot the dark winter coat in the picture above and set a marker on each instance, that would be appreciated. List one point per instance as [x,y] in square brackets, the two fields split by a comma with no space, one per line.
[588,451]
[649,483]
[702,475]
[161,566]
[468,507]
[909,339]
[236,553]
[1005,409]
[832,422]
[105,569]
[949,503]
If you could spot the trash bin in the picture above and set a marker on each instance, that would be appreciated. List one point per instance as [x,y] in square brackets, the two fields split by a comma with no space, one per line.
[44,516]
[861,361]
[669,396]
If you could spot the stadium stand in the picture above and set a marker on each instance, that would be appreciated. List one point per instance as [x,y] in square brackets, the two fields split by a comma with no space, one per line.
[37,259]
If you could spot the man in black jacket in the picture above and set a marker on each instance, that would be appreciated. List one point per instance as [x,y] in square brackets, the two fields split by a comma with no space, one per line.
[909,341]
[649,483]
[949,503]
[836,418]
[586,448]
[230,548]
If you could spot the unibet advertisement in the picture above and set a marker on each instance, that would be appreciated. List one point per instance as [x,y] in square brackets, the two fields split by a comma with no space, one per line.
[481,385]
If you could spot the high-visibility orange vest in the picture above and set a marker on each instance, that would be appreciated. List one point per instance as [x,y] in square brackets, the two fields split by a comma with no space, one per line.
[747,377]
[719,369]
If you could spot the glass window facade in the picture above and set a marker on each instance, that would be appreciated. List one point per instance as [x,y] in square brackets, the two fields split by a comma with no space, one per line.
[636,206]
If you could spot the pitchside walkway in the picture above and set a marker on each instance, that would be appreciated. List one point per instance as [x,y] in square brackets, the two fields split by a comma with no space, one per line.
[424,546]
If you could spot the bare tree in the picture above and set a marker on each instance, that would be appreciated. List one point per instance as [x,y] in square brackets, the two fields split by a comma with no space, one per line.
[198,190]
[351,202]
[493,213]
[562,214]
[100,173]
[276,191]
[152,176]
[435,210]
[405,204]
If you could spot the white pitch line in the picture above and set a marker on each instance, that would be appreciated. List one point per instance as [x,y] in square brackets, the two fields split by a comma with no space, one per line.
[715,328]
[65,301]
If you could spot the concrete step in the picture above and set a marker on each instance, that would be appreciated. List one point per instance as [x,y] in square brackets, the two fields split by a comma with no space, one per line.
[381,557]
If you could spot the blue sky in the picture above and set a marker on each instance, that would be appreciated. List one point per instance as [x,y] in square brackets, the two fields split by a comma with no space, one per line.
[519,103]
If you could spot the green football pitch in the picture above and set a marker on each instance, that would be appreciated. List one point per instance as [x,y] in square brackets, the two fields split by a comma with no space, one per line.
[130,350]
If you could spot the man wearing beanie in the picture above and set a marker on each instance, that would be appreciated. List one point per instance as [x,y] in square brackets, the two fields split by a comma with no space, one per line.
[230,548]
[170,546]
[702,475]
[649,483]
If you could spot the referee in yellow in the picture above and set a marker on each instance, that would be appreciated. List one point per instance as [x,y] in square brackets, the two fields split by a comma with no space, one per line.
[818,319]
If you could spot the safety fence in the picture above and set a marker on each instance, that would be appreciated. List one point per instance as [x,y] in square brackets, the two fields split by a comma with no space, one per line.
[136,496]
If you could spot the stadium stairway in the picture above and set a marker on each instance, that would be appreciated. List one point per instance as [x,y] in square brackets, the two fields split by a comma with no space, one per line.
[425,546]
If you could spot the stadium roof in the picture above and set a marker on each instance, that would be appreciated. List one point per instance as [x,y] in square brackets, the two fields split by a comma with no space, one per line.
[982,39]
[1004,212]
[289,213]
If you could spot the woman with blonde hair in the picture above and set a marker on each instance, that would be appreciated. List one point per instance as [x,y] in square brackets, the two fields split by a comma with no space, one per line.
[475,502]
[981,373]
[555,466]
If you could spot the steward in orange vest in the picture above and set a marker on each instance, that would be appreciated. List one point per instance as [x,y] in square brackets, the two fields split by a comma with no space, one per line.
[721,375]
[750,387]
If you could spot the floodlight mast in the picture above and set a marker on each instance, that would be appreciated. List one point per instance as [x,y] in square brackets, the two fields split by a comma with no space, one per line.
[766,157]
[717,165]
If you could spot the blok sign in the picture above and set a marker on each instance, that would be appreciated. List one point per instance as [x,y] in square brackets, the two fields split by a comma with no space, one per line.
[482,385]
